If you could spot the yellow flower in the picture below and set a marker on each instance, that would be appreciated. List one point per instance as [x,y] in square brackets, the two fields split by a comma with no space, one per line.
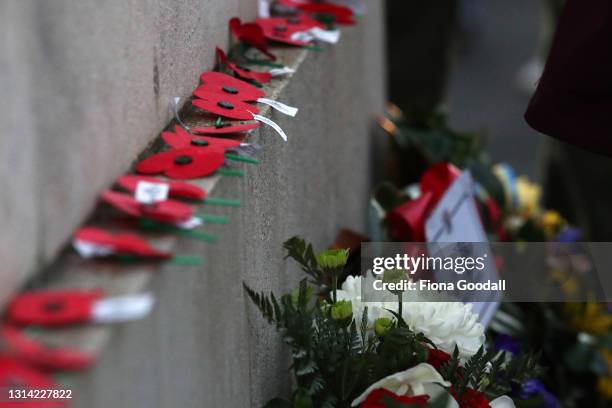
[552,222]
[590,317]
[568,283]
[528,197]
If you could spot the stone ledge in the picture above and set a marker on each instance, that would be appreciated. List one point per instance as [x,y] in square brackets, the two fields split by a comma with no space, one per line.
[115,279]
[204,345]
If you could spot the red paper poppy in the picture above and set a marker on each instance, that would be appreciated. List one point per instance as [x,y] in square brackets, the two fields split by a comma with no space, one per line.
[169,211]
[378,399]
[224,106]
[242,72]
[185,163]
[181,138]
[251,34]
[14,374]
[438,178]
[222,84]
[122,244]
[437,357]
[178,189]
[407,222]
[53,307]
[280,30]
[341,14]
[48,358]
[226,128]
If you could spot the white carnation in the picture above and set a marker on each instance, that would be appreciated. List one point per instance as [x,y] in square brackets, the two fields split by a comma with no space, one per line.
[445,323]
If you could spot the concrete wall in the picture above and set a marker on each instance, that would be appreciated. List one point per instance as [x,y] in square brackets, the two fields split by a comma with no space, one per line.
[85,87]
[88,111]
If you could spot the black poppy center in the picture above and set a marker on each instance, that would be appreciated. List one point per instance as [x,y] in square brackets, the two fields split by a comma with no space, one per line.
[293,20]
[182,160]
[54,306]
[199,142]
[230,90]
[225,105]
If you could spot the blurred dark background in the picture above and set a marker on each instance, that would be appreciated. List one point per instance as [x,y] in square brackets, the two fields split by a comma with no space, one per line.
[480,61]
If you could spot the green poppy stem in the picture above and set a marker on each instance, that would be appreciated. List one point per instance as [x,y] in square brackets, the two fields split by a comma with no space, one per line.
[187,260]
[243,159]
[226,202]
[230,172]
[213,219]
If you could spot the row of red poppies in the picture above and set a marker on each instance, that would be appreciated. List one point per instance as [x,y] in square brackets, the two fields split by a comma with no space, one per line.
[26,362]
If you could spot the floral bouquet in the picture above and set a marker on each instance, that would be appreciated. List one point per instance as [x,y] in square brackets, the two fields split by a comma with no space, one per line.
[349,353]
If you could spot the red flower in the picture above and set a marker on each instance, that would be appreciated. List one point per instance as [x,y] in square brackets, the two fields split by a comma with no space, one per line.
[438,178]
[281,29]
[34,353]
[470,399]
[226,128]
[181,138]
[437,357]
[53,307]
[378,397]
[251,34]
[222,84]
[184,163]
[244,73]
[169,211]
[224,106]
[407,222]
[178,189]
[121,244]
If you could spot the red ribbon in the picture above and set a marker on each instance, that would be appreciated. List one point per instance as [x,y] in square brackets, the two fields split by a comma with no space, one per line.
[407,221]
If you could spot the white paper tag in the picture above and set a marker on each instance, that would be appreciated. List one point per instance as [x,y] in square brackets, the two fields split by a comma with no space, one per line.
[328,36]
[303,36]
[272,124]
[191,223]
[122,308]
[151,193]
[263,8]
[279,72]
[90,250]
[456,219]
[247,149]
[279,106]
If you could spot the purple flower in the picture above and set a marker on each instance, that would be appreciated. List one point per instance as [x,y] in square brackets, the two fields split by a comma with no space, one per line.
[503,342]
[534,387]
[569,235]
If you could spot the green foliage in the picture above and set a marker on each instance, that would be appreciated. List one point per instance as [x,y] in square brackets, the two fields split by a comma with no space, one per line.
[493,373]
[335,360]
[304,255]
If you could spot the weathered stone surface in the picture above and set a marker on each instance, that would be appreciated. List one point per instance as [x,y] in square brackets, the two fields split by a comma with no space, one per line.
[86,86]
[205,344]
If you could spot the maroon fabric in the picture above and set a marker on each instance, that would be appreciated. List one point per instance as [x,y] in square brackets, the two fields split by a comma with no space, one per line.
[573,101]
